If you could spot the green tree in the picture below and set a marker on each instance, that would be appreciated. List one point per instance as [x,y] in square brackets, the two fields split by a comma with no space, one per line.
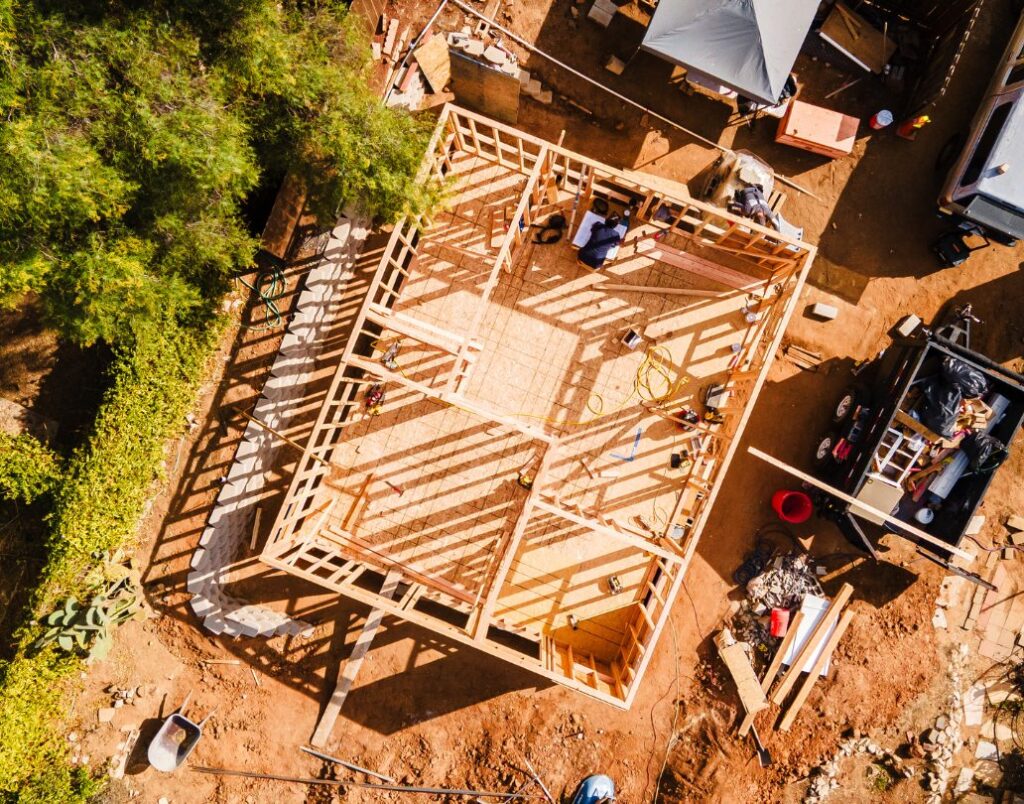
[134,136]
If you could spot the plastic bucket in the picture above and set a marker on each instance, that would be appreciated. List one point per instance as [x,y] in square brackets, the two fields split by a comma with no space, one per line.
[880,119]
[792,506]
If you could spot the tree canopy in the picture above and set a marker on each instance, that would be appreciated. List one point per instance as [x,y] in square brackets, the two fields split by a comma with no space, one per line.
[134,132]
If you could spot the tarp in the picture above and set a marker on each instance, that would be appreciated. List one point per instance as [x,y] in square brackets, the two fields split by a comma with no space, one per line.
[747,45]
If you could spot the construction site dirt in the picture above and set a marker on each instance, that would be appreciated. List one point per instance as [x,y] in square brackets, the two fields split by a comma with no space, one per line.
[430,711]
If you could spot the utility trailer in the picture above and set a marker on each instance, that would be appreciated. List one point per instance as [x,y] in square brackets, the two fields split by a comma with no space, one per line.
[881,454]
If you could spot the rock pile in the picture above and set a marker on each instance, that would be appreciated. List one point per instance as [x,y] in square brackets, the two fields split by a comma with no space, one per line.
[824,779]
[943,742]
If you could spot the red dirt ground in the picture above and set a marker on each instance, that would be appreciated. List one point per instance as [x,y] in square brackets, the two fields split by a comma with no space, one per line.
[438,714]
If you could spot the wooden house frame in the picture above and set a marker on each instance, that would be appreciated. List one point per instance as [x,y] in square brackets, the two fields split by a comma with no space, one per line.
[312,537]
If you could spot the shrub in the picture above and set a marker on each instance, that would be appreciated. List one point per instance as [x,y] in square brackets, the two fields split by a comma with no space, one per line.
[28,469]
[96,510]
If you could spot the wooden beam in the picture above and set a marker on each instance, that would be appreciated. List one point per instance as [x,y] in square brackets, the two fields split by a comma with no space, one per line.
[814,640]
[349,668]
[812,677]
[708,294]
[773,669]
[639,542]
[855,503]
[699,266]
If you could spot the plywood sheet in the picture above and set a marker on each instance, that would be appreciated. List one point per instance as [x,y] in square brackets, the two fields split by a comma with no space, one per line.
[433,58]
[856,38]
[480,87]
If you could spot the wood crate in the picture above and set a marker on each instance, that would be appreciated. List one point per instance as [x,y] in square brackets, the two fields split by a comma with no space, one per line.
[820,131]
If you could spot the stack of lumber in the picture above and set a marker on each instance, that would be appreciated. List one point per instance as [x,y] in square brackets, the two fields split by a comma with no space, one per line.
[813,655]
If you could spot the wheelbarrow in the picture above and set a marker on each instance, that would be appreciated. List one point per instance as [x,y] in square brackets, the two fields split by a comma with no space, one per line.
[175,740]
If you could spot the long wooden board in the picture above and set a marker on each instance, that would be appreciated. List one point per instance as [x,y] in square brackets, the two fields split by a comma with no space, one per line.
[817,636]
[857,504]
[812,677]
[678,258]
[349,668]
[707,294]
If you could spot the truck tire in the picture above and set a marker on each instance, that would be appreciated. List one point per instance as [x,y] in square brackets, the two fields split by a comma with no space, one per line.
[844,407]
[823,450]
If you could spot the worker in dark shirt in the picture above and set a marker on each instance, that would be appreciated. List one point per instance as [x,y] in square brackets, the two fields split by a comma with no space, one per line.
[603,238]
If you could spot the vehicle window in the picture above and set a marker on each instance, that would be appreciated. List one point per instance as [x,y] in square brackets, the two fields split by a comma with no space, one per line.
[985,143]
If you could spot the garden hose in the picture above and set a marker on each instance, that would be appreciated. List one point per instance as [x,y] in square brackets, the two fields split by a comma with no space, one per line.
[268,287]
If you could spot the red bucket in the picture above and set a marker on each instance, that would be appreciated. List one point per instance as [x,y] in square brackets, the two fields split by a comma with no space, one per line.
[792,506]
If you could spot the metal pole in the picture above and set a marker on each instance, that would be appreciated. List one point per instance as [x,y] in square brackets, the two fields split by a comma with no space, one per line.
[347,783]
[630,101]
[349,765]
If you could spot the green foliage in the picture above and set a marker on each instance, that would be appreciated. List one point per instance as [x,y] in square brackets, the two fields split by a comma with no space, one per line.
[28,469]
[96,511]
[133,133]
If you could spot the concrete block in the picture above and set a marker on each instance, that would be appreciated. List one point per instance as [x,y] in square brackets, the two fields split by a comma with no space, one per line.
[615,65]
[201,607]
[214,624]
[523,76]
[533,87]
[908,325]
[825,312]
[599,15]
[1009,553]
[1015,523]
[545,97]
[1017,538]
[974,526]
[197,557]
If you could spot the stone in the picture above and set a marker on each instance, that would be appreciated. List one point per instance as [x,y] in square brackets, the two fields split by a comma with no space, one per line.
[907,325]
[986,751]
[939,619]
[615,65]
[1015,523]
[941,722]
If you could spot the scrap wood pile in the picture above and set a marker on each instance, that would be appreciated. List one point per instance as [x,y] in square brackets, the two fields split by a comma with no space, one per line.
[787,621]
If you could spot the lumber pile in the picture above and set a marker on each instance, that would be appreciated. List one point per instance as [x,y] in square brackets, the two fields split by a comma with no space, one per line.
[806,648]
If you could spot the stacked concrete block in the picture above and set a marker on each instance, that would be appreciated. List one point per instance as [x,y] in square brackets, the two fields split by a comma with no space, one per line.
[228,531]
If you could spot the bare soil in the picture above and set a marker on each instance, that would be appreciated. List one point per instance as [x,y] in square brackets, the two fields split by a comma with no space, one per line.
[438,714]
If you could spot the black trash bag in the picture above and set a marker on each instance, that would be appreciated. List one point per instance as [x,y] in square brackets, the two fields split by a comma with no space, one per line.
[972,383]
[986,453]
[940,406]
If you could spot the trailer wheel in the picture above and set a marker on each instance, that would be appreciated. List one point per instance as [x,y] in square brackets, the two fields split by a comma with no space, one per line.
[844,407]
[823,452]
[950,152]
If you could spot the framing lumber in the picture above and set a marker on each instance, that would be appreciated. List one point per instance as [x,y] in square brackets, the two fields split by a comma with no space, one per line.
[814,640]
[812,677]
[855,503]
[699,266]
[334,561]
[349,668]
[622,535]
[773,669]
[707,294]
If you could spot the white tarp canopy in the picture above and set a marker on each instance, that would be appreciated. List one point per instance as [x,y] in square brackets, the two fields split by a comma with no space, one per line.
[748,45]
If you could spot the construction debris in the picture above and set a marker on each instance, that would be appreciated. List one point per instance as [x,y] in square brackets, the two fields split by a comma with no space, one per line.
[784,584]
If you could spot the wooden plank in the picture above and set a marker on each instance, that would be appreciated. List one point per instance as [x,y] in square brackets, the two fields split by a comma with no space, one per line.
[433,58]
[708,294]
[349,668]
[773,669]
[805,689]
[697,265]
[738,663]
[816,637]
[863,507]
[869,48]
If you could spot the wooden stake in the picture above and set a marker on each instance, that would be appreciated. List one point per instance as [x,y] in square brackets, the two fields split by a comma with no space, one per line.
[255,529]
[815,639]
[805,690]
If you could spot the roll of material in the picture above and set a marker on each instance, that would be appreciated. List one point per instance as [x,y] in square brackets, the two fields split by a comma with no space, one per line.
[950,476]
